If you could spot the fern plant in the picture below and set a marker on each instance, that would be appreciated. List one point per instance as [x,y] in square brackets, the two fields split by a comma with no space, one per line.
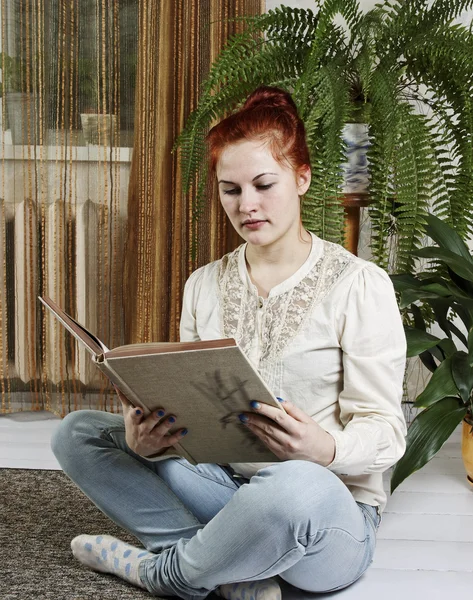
[405,68]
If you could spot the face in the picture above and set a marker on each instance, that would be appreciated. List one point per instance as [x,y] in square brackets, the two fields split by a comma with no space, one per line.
[260,196]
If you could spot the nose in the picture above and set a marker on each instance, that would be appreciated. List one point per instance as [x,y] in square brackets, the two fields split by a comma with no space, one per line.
[249,201]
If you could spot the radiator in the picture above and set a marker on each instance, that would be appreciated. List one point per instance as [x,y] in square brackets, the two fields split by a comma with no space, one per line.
[53,251]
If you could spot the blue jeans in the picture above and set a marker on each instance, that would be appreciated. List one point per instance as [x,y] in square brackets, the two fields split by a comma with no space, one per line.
[294,519]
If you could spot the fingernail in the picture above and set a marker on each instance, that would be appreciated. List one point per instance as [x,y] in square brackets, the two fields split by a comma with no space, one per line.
[172,420]
[243,418]
[160,413]
[138,411]
[255,404]
[279,399]
[184,432]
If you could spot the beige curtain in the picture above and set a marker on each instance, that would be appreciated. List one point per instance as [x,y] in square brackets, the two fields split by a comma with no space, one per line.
[179,41]
[67,93]
[69,129]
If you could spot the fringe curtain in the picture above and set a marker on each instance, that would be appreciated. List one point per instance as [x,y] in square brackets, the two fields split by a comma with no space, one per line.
[69,122]
[178,43]
[67,94]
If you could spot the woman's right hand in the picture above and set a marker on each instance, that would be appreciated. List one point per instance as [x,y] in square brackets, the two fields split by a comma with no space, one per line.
[148,436]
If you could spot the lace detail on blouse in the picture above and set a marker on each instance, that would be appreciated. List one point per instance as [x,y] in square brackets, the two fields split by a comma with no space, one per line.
[284,314]
[238,303]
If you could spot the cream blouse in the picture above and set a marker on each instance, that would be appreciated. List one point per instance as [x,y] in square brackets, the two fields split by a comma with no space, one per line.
[329,339]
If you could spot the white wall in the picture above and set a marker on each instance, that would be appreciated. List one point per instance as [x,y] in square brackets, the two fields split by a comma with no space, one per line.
[365,4]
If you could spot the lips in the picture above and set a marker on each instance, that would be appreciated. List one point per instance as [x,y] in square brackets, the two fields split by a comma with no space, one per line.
[254,221]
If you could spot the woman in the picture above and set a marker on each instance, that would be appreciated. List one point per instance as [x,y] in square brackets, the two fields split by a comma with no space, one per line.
[323,328]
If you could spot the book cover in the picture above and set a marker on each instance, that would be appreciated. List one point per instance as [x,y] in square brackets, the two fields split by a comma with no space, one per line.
[205,384]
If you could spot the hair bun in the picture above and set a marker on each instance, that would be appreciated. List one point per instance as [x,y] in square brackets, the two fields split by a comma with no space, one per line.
[270,97]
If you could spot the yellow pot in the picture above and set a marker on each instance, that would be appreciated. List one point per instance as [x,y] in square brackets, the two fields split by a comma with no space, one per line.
[467,448]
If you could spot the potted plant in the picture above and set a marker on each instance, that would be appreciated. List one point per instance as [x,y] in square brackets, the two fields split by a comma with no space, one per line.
[436,295]
[343,65]
[98,125]
[18,89]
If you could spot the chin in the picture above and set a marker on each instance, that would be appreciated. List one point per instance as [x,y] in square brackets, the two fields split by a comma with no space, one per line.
[257,238]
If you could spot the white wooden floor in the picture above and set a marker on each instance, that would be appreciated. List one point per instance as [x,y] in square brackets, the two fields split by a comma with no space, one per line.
[425,542]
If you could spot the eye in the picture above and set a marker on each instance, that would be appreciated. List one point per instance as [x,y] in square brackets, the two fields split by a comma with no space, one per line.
[232,192]
[265,187]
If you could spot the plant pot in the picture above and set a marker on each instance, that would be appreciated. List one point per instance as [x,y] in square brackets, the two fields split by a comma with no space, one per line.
[355,169]
[98,128]
[467,447]
[20,106]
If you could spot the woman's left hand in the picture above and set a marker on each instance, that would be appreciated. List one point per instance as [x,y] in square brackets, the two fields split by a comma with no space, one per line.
[290,435]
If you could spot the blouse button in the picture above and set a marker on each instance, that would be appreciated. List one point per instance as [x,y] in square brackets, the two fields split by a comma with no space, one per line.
[260,302]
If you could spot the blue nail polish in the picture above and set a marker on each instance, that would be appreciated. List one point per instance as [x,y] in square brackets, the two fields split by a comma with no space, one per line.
[184,432]
[138,411]
[279,399]
[160,413]
[243,418]
[255,404]
[172,420]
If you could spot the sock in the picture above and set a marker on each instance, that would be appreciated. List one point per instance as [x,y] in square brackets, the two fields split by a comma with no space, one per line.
[265,589]
[109,555]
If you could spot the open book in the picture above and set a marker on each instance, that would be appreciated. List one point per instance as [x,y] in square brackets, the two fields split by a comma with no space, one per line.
[205,384]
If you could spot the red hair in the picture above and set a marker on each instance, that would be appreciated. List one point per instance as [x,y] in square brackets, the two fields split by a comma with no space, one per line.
[270,115]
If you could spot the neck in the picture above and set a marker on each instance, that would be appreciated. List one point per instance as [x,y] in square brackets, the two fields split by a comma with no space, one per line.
[284,254]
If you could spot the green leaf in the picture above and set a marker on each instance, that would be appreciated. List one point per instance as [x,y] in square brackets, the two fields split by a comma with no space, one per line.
[465,286]
[448,347]
[426,435]
[446,237]
[419,322]
[405,281]
[470,347]
[418,341]
[410,296]
[428,361]
[462,374]
[441,307]
[441,384]
[458,264]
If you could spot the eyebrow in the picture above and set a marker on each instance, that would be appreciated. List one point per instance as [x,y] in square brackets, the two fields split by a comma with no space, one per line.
[254,178]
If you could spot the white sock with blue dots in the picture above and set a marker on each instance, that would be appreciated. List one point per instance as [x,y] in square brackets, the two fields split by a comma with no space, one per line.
[264,589]
[109,555]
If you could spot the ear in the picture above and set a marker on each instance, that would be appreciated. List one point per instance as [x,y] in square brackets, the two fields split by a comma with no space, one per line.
[303,178]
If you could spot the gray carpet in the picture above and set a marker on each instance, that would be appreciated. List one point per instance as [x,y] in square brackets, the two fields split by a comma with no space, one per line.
[40,512]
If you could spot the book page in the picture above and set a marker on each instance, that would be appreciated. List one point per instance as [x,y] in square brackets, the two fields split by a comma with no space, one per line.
[163,347]
[92,343]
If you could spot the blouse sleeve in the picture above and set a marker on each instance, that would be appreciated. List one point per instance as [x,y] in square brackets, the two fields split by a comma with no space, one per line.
[187,326]
[373,343]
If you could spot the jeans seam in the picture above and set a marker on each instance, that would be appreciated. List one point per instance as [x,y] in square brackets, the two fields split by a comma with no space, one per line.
[336,529]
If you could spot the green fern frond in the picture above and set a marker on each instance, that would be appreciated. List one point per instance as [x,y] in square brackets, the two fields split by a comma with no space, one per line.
[413,176]
[322,209]
[445,10]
